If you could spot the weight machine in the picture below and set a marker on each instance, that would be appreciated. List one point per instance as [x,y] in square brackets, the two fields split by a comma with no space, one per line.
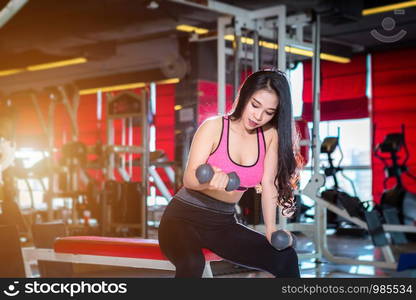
[47,167]
[132,110]
[66,174]
[397,197]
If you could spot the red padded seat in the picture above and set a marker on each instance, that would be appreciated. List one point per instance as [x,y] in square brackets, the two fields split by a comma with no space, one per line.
[116,247]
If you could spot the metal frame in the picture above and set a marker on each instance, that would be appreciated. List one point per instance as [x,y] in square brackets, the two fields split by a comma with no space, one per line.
[253,20]
[10,10]
[318,180]
[47,124]
[262,22]
[129,149]
[48,128]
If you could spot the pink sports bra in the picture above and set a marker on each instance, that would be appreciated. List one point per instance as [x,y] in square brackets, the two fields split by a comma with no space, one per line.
[251,175]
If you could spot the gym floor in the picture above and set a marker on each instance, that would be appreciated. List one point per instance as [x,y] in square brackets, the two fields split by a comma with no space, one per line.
[345,246]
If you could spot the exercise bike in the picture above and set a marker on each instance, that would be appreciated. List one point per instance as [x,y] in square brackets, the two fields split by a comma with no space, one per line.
[397,197]
[337,196]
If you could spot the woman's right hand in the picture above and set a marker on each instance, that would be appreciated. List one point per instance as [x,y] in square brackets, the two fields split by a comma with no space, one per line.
[219,181]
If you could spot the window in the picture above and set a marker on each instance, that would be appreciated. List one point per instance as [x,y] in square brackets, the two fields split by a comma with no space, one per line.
[354,141]
[355,158]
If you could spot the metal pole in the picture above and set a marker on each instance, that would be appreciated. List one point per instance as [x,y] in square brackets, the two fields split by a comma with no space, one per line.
[39,113]
[145,160]
[72,110]
[256,51]
[110,139]
[237,50]
[316,144]
[51,142]
[281,36]
[130,125]
[221,23]
[320,212]
[123,142]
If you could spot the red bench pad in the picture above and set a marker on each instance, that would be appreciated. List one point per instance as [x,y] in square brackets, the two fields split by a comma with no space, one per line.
[117,247]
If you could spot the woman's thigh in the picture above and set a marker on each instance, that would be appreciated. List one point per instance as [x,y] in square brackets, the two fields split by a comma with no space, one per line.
[180,243]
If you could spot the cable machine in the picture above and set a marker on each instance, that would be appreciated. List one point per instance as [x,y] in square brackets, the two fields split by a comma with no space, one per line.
[132,111]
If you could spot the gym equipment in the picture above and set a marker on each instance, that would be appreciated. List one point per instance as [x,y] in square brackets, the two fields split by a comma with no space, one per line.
[205,172]
[111,251]
[159,159]
[10,253]
[397,197]
[129,207]
[375,228]
[44,236]
[335,195]
[355,207]
[283,239]
[74,153]
[317,230]
[132,111]
[10,213]
[391,216]
[7,151]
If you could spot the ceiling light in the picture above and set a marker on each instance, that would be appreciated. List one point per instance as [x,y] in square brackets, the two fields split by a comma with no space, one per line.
[290,49]
[57,64]
[189,28]
[50,65]
[11,72]
[128,86]
[386,8]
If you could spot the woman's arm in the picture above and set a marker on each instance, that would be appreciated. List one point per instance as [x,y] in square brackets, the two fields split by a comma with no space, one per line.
[202,144]
[270,193]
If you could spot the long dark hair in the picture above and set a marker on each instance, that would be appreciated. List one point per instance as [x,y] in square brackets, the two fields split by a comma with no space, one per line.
[289,159]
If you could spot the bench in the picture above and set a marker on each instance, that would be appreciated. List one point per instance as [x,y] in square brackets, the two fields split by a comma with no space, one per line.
[111,251]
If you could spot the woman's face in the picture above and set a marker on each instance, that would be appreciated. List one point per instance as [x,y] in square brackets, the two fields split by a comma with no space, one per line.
[260,109]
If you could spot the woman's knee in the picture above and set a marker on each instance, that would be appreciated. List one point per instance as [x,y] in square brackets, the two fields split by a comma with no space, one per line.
[191,266]
[286,264]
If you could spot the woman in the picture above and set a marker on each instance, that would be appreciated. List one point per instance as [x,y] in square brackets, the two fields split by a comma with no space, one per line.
[256,142]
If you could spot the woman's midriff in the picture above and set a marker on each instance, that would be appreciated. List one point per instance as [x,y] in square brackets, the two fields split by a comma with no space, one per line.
[229,197]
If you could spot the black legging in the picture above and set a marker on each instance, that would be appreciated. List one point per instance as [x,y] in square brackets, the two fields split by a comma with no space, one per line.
[184,230]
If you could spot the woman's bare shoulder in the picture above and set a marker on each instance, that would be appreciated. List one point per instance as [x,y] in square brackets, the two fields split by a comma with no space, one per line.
[270,134]
[212,124]
[210,130]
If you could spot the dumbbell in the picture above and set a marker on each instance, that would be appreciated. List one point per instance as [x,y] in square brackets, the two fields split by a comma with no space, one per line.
[205,172]
[282,239]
